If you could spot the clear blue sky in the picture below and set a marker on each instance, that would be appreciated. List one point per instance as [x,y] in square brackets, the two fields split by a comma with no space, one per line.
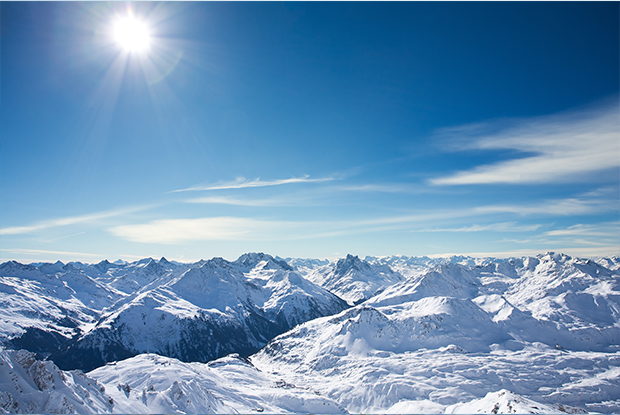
[309,130]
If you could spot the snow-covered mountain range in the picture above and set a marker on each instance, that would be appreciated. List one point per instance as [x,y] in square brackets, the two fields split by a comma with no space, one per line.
[354,280]
[106,312]
[383,334]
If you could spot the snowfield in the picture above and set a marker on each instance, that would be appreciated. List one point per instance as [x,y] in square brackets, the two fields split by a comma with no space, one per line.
[419,335]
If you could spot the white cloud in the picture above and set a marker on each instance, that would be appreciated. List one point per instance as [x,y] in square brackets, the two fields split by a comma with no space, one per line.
[384,188]
[175,231]
[223,200]
[322,196]
[580,251]
[42,251]
[274,201]
[172,231]
[554,207]
[565,148]
[562,207]
[71,220]
[242,183]
[598,230]
[181,230]
[494,227]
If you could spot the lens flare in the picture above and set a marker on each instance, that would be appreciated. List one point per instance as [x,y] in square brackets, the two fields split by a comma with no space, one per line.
[132,34]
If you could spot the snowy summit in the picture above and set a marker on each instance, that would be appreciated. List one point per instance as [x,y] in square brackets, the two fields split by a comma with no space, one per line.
[454,335]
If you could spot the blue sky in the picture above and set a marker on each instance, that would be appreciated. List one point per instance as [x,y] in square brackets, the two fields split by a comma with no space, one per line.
[309,130]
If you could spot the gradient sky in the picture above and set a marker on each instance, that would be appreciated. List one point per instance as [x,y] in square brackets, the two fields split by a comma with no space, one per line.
[310,130]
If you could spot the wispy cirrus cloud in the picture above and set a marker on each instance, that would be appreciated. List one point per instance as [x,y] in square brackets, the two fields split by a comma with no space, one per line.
[45,255]
[174,231]
[223,200]
[43,251]
[516,253]
[322,196]
[171,231]
[265,202]
[563,148]
[609,229]
[553,207]
[493,227]
[178,230]
[243,183]
[70,220]
[393,188]
[581,239]
[560,207]
[383,188]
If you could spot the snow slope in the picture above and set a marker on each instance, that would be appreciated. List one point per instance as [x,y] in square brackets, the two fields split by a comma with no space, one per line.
[354,280]
[455,335]
[366,374]
[500,402]
[544,327]
[156,384]
[42,307]
[150,384]
[28,385]
[206,312]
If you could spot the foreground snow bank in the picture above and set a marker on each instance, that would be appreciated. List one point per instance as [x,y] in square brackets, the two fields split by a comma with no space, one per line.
[150,383]
[501,402]
[28,385]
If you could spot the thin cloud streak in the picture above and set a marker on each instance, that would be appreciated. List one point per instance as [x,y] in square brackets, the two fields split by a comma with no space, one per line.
[562,207]
[272,202]
[222,200]
[42,251]
[321,196]
[384,188]
[65,237]
[175,231]
[172,231]
[494,227]
[577,237]
[584,252]
[567,147]
[602,229]
[71,220]
[243,183]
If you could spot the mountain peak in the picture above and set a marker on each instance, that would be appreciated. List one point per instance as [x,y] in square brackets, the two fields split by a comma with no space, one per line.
[556,257]
[252,259]
[103,266]
[216,262]
[14,266]
[349,263]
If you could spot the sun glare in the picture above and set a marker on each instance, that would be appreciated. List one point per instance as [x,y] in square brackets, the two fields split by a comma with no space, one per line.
[131,34]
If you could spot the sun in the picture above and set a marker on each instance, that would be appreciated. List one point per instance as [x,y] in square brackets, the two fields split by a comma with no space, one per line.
[132,34]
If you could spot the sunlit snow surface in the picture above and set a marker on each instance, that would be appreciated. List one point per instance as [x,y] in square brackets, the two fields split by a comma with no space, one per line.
[83,316]
[547,328]
[457,335]
[366,380]
[28,385]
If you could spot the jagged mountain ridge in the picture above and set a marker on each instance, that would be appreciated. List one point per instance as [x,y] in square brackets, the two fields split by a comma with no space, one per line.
[150,384]
[450,331]
[155,384]
[195,312]
[28,385]
[459,331]
[352,279]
